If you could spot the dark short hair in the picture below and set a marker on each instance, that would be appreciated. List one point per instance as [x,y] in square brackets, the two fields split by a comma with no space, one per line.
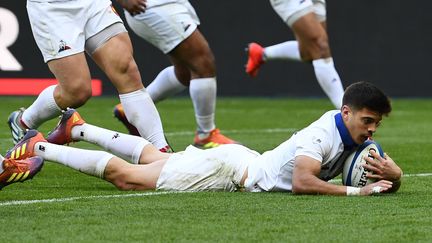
[366,95]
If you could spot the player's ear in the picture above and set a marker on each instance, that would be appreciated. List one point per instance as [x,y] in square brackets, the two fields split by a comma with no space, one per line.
[345,110]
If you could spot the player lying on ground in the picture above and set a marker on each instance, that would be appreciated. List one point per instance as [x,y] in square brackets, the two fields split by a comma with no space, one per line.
[303,164]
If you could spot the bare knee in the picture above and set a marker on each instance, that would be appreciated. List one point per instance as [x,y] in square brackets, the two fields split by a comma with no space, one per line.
[73,95]
[204,67]
[128,77]
[183,74]
[120,181]
[199,62]
[316,47]
[123,185]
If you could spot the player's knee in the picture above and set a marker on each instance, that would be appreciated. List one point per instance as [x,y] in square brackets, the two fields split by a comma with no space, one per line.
[317,47]
[205,67]
[82,96]
[182,74]
[129,69]
[75,96]
[122,186]
[127,65]
[323,47]
[120,182]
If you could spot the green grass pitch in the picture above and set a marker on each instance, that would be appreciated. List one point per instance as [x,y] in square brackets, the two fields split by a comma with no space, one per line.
[62,205]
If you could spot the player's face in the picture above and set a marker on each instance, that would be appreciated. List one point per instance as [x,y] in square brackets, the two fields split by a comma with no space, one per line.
[361,124]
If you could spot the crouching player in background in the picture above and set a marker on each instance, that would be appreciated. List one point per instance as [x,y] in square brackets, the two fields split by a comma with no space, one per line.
[303,164]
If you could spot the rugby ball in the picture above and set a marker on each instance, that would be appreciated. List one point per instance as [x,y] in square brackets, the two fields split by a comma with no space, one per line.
[353,172]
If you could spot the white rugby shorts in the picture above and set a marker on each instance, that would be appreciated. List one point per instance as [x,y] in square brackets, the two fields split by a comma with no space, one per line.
[61,28]
[216,169]
[320,10]
[291,10]
[165,26]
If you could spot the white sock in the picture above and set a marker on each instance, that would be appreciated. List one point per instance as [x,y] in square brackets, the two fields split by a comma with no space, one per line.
[329,80]
[141,112]
[123,145]
[286,50]
[90,162]
[44,108]
[165,85]
[203,95]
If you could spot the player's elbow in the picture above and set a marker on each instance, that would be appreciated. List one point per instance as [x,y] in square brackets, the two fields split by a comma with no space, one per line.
[300,186]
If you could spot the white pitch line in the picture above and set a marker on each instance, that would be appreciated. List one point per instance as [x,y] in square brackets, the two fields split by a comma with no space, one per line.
[67,199]
[406,175]
[417,175]
[270,130]
[144,194]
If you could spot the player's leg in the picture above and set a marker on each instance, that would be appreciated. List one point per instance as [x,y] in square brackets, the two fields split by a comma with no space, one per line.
[314,46]
[195,54]
[133,177]
[73,90]
[173,29]
[167,83]
[62,47]
[103,165]
[91,162]
[72,127]
[115,58]
[289,50]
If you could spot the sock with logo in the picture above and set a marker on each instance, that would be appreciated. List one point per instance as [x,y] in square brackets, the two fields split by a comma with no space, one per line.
[123,145]
[329,80]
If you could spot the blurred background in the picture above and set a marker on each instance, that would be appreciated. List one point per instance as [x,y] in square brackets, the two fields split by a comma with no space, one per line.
[386,42]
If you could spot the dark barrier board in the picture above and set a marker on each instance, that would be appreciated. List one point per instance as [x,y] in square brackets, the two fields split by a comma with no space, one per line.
[386,42]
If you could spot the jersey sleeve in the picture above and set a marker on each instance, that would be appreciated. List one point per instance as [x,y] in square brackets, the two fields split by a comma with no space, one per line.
[314,143]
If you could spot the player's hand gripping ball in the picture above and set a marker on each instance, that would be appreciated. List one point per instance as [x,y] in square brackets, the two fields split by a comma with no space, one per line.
[353,172]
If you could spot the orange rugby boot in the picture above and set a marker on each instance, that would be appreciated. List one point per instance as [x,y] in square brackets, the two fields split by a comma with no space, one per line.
[255,54]
[214,139]
[25,147]
[62,133]
[19,170]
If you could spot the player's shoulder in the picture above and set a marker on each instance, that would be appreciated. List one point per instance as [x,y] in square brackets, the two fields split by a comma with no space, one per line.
[323,130]
[326,123]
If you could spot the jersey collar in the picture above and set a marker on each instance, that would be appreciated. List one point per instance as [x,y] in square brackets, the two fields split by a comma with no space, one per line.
[343,132]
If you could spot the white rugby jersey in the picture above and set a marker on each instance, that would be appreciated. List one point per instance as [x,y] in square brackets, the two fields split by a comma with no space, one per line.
[325,140]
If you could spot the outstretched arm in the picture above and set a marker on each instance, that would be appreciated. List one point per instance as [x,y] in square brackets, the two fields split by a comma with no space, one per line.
[306,181]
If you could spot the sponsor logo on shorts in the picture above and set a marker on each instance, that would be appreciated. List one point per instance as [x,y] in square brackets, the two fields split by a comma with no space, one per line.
[185,26]
[63,46]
